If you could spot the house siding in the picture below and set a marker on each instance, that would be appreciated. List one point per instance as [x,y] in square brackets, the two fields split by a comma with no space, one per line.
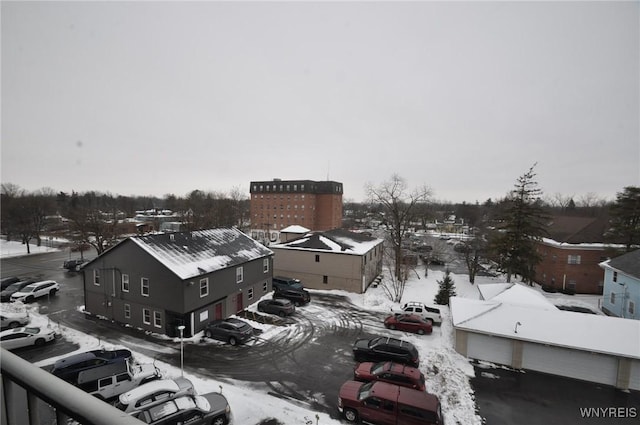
[555,271]
[625,290]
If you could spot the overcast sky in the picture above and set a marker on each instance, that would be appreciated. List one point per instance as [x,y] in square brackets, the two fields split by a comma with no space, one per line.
[151,98]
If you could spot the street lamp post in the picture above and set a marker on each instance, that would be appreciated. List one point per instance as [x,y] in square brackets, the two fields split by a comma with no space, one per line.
[181,329]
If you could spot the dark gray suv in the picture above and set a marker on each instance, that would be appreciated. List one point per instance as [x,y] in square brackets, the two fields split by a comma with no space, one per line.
[282,282]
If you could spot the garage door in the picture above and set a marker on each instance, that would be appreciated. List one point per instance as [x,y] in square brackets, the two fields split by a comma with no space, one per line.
[570,363]
[634,381]
[490,348]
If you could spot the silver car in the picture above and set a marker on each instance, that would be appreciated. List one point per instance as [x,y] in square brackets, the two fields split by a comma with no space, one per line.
[13,319]
[154,392]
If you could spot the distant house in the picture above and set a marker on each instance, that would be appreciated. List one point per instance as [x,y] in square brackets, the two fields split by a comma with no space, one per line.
[519,328]
[292,232]
[158,282]
[571,255]
[622,285]
[334,259]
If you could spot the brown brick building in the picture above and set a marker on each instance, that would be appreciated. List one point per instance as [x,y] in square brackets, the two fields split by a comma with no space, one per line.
[276,204]
[571,254]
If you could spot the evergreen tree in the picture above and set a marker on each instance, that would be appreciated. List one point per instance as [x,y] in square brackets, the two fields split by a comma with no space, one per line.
[625,217]
[524,222]
[447,289]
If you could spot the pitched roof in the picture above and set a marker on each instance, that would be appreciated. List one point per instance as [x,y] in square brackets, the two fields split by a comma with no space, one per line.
[336,240]
[190,254]
[588,332]
[569,229]
[628,263]
[515,294]
[294,228]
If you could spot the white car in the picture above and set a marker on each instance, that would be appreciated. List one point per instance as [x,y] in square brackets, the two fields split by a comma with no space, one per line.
[153,392]
[430,314]
[24,337]
[36,290]
[13,319]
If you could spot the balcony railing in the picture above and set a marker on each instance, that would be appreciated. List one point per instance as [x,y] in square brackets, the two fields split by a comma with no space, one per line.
[27,391]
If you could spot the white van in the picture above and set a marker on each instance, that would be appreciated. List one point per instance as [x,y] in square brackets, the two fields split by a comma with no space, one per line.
[111,380]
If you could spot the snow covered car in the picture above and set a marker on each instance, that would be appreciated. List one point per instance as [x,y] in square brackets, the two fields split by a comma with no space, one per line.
[428,313]
[154,392]
[25,337]
[13,319]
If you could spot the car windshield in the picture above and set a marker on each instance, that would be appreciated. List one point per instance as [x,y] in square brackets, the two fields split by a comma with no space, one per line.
[375,341]
[30,330]
[28,288]
[365,391]
[377,368]
[14,286]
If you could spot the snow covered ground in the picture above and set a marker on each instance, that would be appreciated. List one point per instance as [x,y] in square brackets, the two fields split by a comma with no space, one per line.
[447,372]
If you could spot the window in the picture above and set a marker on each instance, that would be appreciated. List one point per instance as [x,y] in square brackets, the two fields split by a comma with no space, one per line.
[96,277]
[123,377]
[612,298]
[144,287]
[127,311]
[125,283]
[157,319]
[104,382]
[573,259]
[317,258]
[325,279]
[146,316]
[250,293]
[239,275]
[204,287]
[632,308]
[615,276]
[265,286]
[265,265]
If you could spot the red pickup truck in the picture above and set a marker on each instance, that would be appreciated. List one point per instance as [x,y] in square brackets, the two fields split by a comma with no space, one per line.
[388,404]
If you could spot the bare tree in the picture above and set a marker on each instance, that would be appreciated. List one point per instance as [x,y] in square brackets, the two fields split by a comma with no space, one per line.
[398,209]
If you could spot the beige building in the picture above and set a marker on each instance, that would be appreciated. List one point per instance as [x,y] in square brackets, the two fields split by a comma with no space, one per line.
[334,259]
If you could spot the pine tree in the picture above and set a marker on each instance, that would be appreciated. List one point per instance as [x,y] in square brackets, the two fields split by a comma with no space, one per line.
[524,222]
[447,289]
[625,217]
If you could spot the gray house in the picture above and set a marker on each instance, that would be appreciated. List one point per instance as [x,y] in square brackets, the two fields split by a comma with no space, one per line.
[158,282]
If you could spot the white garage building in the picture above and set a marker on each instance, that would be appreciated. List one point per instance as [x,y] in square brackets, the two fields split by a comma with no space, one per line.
[521,329]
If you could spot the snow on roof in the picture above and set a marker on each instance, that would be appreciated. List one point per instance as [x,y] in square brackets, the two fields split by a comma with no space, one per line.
[189,254]
[337,240]
[583,245]
[294,228]
[490,290]
[523,296]
[589,332]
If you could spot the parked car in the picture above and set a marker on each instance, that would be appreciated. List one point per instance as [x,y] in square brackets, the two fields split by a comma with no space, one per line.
[278,306]
[297,296]
[385,348]
[393,373]
[6,281]
[110,380]
[69,367]
[36,290]
[74,265]
[283,282]
[383,403]
[5,295]
[428,313]
[13,319]
[409,323]
[25,337]
[154,392]
[233,331]
[211,408]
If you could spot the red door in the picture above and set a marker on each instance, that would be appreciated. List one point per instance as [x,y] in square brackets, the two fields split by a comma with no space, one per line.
[238,302]
[218,311]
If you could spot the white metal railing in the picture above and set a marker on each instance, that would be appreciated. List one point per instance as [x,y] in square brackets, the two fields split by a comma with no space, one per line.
[24,387]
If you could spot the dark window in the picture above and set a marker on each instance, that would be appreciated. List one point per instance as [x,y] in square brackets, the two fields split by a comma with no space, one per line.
[317,258]
[325,279]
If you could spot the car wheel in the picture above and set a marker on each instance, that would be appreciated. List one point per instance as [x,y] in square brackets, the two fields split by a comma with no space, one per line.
[429,321]
[281,314]
[233,341]
[392,327]
[39,342]
[52,292]
[207,334]
[28,299]
[14,325]
[260,309]
[351,415]
[420,331]
[220,420]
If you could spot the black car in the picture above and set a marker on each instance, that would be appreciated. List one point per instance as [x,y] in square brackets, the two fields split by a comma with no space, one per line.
[278,306]
[384,348]
[5,295]
[234,331]
[283,282]
[6,281]
[206,409]
[297,296]
[74,265]
[69,367]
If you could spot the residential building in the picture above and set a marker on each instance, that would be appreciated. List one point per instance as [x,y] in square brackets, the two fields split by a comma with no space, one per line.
[622,285]
[571,255]
[161,281]
[334,259]
[276,204]
[518,328]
